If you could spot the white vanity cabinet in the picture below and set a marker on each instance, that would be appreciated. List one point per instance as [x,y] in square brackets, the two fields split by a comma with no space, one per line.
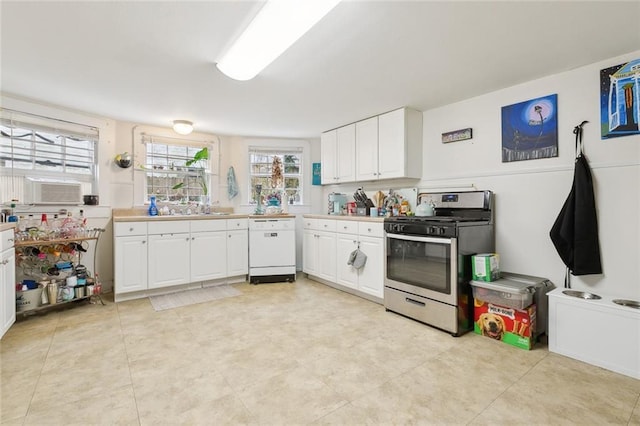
[130,256]
[7,280]
[169,253]
[237,247]
[338,155]
[208,249]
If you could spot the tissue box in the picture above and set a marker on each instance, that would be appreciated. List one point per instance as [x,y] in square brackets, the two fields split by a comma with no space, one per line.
[486,267]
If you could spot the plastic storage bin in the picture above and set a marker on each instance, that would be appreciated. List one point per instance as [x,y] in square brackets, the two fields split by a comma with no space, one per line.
[504,292]
[540,285]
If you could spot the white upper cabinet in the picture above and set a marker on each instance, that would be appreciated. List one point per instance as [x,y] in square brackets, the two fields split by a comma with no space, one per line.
[387,146]
[338,151]
[367,149]
[400,144]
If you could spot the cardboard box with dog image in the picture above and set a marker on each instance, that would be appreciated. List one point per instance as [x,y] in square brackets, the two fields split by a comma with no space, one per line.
[509,325]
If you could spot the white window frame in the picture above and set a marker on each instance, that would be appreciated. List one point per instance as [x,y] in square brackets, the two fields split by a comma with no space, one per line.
[270,151]
[49,140]
[177,171]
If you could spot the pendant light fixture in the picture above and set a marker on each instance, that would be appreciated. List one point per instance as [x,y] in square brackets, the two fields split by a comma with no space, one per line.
[274,29]
[182,127]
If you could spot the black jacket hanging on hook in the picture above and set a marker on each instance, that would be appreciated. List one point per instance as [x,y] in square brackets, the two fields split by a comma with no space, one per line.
[575,231]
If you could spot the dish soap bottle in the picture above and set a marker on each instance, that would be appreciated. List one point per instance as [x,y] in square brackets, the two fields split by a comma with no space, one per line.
[153,209]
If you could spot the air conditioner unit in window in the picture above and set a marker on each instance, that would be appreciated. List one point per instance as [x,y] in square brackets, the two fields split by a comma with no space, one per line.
[42,191]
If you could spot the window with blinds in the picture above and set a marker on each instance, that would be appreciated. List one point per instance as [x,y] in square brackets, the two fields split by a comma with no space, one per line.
[43,147]
[173,174]
[261,172]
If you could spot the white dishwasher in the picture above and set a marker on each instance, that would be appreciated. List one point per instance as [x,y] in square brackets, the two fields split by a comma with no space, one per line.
[272,249]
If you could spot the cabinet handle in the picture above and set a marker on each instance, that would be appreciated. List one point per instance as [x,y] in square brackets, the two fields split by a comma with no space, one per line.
[130,229]
[192,238]
[187,239]
[368,229]
[10,240]
[144,242]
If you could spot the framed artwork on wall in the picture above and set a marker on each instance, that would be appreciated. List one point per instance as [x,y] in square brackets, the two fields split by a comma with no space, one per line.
[530,129]
[620,100]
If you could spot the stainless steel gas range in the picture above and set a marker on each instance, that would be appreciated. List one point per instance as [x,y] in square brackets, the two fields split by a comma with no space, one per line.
[428,259]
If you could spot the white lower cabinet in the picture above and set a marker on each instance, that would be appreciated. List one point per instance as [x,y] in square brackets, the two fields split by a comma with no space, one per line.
[369,238]
[326,253]
[130,262]
[237,249]
[157,254]
[8,281]
[208,250]
[130,257]
[319,248]
[169,261]
[371,276]
[346,274]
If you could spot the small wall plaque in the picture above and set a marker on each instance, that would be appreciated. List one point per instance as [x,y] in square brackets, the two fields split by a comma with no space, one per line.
[457,135]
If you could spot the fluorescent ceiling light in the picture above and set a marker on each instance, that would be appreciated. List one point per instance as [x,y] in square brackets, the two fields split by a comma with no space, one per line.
[182,127]
[274,29]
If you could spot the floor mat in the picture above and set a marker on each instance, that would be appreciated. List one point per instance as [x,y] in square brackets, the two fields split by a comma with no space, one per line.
[191,297]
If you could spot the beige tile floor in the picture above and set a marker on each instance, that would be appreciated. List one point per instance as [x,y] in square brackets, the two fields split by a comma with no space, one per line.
[300,353]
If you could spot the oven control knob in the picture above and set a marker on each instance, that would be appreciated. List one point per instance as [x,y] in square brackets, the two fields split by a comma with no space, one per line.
[441,231]
[399,228]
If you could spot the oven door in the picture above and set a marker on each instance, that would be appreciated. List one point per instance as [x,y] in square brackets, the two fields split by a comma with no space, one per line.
[425,266]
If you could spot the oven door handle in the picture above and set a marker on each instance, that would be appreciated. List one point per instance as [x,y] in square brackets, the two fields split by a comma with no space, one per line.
[420,239]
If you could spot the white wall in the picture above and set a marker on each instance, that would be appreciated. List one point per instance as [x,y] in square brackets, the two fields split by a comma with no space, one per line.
[530,194]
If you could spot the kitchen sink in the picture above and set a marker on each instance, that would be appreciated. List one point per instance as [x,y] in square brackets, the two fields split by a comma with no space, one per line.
[629,303]
[581,294]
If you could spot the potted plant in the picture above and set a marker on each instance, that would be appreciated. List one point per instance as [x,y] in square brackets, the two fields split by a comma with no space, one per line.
[198,159]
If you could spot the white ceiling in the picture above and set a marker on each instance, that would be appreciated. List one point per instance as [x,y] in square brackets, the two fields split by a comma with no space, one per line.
[153,62]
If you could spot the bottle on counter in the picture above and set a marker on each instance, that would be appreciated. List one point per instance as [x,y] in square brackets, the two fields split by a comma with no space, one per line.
[12,216]
[153,208]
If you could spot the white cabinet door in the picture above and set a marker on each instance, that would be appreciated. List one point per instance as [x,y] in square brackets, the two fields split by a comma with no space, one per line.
[367,149]
[328,158]
[169,260]
[346,153]
[237,252]
[400,144]
[310,252]
[8,290]
[346,275]
[338,155]
[391,142]
[326,254]
[130,264]
[371,276]
[208,256]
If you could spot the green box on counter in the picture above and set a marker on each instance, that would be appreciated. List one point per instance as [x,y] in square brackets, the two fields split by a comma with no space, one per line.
[486,266]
